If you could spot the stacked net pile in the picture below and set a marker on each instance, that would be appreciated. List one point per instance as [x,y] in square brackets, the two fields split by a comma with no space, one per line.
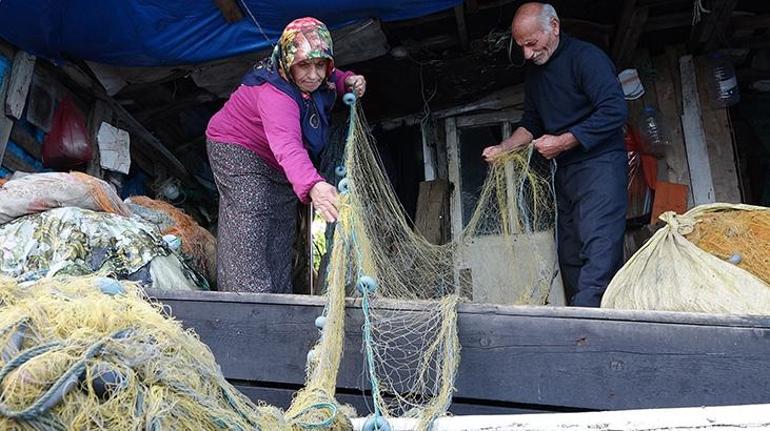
[91,353]
[412,356]
[198,245]
[712,259]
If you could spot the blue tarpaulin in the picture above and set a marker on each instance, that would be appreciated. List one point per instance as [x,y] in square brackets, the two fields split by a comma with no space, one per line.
[173,32]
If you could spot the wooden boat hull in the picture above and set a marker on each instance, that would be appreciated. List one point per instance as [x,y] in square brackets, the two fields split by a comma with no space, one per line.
[515,359]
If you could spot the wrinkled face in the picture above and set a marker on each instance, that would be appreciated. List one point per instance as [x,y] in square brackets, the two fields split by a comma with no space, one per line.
[537,43]
[309,74]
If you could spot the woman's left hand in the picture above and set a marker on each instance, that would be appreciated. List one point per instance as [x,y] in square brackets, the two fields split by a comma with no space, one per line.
[356,83]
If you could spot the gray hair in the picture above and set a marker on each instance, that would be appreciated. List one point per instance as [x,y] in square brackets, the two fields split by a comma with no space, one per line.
[547,14]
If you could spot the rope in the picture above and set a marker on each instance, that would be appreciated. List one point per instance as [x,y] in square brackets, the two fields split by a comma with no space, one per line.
[55,393]
[325,424]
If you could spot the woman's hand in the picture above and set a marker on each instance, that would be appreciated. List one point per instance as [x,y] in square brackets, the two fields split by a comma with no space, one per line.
[356,83]
[324,198]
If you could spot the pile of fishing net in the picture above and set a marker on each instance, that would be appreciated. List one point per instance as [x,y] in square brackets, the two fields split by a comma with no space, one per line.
[197,245]
[91,353]
[714,258]
[412,359]
[59,223]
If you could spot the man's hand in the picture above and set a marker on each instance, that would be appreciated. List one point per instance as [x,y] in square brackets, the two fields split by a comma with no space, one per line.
[324,198]
[493,152]
[550,146]
[357,84]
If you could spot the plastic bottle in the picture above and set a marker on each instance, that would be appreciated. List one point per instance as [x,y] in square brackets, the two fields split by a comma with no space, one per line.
[652,132]
[724,84]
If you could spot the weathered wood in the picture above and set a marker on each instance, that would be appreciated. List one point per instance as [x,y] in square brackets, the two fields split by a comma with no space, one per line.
[6,124]
[502,116]
[432,199]
[753,417]
[362,402]
[554,357]
[719,139]
[18,88]
[674,168]
[701,181]
[100,112]
[453,163]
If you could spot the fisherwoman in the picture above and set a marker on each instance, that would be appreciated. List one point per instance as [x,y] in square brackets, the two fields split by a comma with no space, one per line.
[261,146]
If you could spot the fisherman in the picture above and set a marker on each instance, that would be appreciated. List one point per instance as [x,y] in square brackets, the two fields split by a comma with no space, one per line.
[574,112]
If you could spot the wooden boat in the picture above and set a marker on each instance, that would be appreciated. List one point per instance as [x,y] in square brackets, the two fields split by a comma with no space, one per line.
[515,359]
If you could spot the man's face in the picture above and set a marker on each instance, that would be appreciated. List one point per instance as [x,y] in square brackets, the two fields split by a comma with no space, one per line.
[537,43]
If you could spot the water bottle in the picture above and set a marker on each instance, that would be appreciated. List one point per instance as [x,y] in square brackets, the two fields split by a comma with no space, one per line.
[724,84]
[652,132]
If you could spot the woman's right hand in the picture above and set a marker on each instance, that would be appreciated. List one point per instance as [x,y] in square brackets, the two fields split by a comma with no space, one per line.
[324,198]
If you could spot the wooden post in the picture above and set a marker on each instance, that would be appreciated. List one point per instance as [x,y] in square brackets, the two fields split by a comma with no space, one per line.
[18,87]
[719,139]
[694,136]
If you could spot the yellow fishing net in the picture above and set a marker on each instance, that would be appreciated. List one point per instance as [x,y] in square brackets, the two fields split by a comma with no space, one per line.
[412,358]
[83,354]
[714,259]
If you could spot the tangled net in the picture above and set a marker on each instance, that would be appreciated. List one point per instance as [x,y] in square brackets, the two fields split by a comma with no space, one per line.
[743,236]
[92,353]
[412,358]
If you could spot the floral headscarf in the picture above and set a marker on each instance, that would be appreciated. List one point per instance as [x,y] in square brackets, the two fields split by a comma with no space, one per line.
[304,39]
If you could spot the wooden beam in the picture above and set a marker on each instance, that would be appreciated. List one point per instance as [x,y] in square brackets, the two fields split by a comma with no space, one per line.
[675,168]
[430,217]
[719,139]
[687,419]
[694,135]
[165,111]
[6,124]
[18,88]
[630,28]
[750,23]
[712,31]
[462,30]
[230,10]
[555,358]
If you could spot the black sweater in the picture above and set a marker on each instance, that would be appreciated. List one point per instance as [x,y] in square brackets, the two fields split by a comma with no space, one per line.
[576,91]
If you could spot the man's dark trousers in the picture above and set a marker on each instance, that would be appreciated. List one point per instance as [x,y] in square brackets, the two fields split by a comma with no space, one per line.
[592,200]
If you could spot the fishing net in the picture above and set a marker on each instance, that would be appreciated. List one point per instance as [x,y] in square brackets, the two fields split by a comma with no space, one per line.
[91,353]
[712,259]
[197,244]
[412,357]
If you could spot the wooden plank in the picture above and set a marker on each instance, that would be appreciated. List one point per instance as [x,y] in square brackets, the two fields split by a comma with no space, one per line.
[694,135]
[719,140]
[752,417]
[432,199]
[100,112]
[282,397]
[540,356]
[18,88]
[502,116]
[6,124]
[674,167]
[453,162]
